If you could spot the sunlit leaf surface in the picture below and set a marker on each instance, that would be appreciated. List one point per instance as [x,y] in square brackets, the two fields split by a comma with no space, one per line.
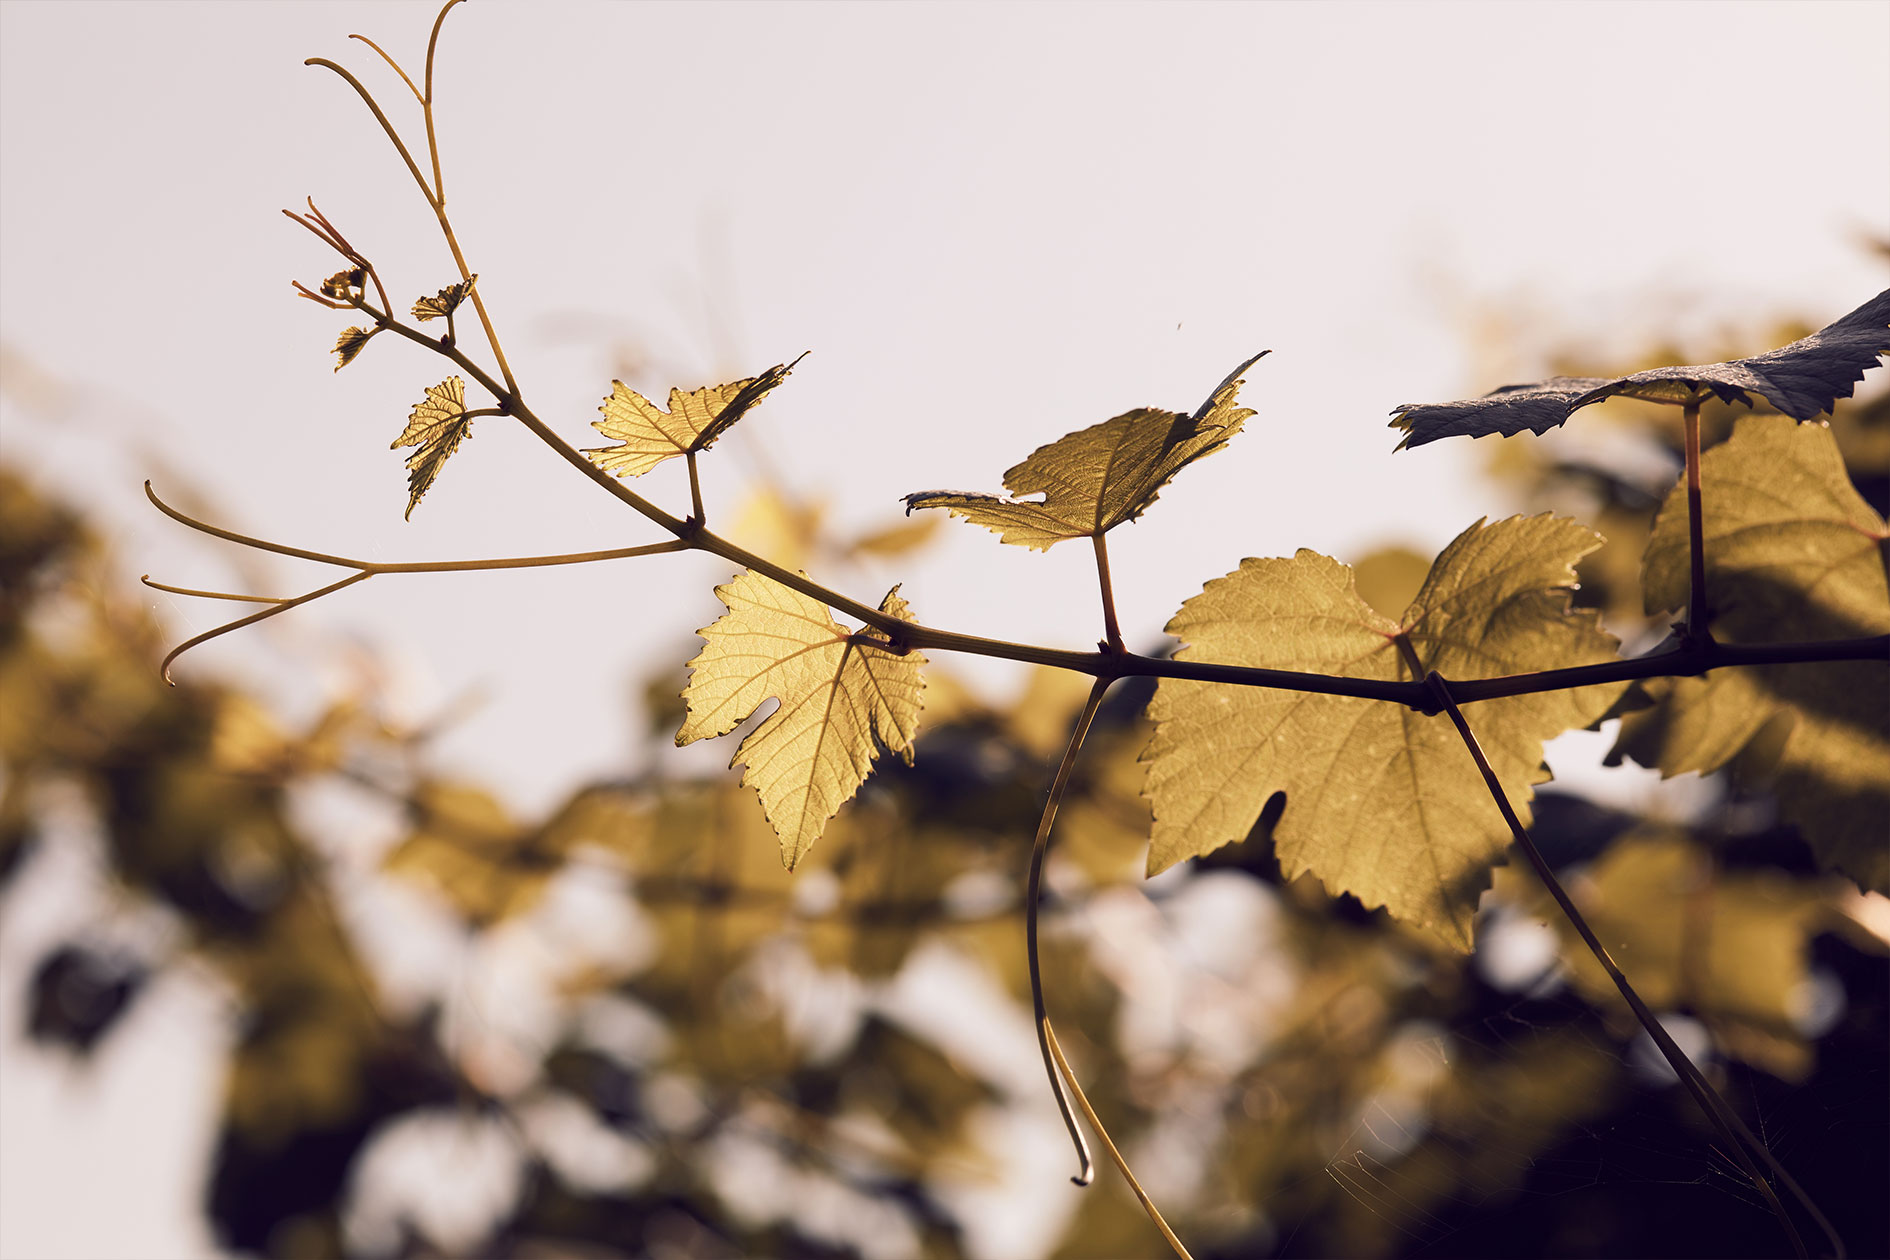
[837,691]
[445,302]
[647,435]
[1096,478]
[1792,552]
[437,426]
[1801,380]
[1381,801]
[351,342]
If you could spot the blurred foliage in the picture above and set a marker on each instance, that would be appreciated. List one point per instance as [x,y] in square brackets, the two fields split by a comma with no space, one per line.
[751,1064]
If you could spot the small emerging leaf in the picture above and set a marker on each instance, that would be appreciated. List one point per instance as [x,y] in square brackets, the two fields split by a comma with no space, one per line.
[1801,380]
[344,284]
[437,426]
[350,343]
[837,691]
[1097,478]
[648,435]
[1381,801]
[445,302]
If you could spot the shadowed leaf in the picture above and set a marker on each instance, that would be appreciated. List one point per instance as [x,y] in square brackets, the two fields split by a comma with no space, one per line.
[445,302]
[351,342]
[1792,553]
[1801,380]
[647,435]
[1096,478]
[837,691]
[1381,801]
[437,426]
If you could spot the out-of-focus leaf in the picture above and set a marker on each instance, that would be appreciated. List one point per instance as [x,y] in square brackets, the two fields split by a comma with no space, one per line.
[437,426]
[898,539]
[837,691]
[1792,552]
[351,342]
[786,531]
[647,435]
[1732,947]
[1096,478]
[465,845]
[1382,802]
[1801,380]
[445,302]
[76,994]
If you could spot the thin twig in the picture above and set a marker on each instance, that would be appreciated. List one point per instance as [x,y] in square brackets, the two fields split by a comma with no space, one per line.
[1033,894]
[1122,1165]
[395,64]
[1732,1130]
[164,667]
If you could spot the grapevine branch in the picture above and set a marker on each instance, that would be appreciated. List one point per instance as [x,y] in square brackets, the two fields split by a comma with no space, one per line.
[1692,652]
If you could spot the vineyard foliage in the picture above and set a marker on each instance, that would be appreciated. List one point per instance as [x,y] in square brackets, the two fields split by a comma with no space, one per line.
[1354,1064]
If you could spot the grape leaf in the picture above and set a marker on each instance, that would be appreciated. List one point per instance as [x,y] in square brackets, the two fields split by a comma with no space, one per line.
[1096,478]
[1801,380]
[1793,552]
[437,426]
[445,302]
[837,690]
[647,435]
[351,342]
[1381,801]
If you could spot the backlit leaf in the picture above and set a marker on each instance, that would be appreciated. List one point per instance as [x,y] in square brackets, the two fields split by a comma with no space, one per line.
[1381,801]
[1801,380]
[437,426]
[837,691]
[351,342]
[344,284]
[1096,478]
[647,435]
[445,302]
[1793,552]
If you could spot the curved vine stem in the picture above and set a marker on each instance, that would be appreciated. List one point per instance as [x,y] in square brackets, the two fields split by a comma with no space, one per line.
[1054,1064]
[1739,1140]
[1122,1165]
[364,569]
[1033,895]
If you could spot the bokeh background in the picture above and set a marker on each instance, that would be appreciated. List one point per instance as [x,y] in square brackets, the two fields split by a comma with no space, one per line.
[990,225]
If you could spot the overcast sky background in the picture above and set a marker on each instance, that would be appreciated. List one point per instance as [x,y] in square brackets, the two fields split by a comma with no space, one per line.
[990,224]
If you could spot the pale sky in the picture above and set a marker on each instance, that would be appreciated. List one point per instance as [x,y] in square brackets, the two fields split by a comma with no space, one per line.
[990,225]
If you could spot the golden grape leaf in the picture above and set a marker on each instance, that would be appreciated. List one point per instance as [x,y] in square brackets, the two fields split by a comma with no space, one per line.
[437,426]
[837,690]
[351,342]
[445,302]
[647,435]
[1793,552]
[1381,801]
[1096,478]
